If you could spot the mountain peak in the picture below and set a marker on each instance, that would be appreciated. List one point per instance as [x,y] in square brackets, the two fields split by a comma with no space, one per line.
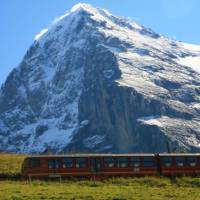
[99,15]
[82,6]
[74,13]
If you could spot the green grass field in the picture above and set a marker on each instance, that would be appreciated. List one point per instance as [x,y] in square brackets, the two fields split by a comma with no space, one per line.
[10,165]
[146,188]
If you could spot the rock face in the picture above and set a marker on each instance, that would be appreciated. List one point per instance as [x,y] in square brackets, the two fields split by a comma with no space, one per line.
[94,82]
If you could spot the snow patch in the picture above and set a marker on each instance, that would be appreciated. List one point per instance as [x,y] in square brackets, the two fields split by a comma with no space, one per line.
[57,19]
[190,61]
[53,139]
[75,8]
[85,123]
[79,6]
[150,120]
[106,12]
[191,47]
[196,105]
[41,33]
[92,141]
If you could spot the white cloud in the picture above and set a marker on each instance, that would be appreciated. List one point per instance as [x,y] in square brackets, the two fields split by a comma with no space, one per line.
[42,32]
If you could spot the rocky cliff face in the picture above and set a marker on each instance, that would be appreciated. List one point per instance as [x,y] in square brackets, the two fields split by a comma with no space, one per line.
[94,82]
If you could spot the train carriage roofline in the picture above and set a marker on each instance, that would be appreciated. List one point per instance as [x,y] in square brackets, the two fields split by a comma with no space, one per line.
[179,154]
[88,155]
[113,155]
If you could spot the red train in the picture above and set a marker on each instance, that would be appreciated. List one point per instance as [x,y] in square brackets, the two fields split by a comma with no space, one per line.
[106,165]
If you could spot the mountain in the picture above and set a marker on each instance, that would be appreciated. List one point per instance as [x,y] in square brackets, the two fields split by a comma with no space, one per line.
[94,82]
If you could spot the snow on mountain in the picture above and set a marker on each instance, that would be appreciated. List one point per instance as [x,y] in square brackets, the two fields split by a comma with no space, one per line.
[41,33]
[191,61]
[94,82]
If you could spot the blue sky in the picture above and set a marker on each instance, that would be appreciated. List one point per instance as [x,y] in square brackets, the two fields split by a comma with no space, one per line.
[21,20]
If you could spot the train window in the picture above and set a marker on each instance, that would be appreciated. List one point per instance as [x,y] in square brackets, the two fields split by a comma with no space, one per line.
[192,161]
[149,162]
[67,162]
[35,162]
[122,162]
[109,162]
[167,161]
[180,161]
[50,164]
[135,162]
[53,164]
[81,162]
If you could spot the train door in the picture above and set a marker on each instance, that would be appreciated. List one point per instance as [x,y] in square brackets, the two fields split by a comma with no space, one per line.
[53,165]
[96,165]
[158,161]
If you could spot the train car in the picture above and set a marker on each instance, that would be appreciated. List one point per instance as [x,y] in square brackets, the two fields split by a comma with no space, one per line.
[179,164]
[107,165]
[90,165]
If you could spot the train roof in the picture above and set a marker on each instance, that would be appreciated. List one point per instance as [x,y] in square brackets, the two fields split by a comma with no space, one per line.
[179,154]
[89,155]
[114,155]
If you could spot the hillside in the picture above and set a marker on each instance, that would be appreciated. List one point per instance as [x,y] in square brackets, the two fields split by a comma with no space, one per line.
[96,82]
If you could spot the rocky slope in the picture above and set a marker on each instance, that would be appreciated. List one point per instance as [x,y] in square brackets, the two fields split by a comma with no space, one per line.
[94,82]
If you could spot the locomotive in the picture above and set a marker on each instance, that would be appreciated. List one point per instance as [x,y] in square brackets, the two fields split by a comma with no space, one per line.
[109,165]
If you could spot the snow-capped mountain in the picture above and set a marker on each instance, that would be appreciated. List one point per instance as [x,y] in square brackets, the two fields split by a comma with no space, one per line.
[94,82]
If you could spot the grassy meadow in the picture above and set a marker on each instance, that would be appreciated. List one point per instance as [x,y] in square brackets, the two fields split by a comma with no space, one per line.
[148,188]
[10,165]
[145,188]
